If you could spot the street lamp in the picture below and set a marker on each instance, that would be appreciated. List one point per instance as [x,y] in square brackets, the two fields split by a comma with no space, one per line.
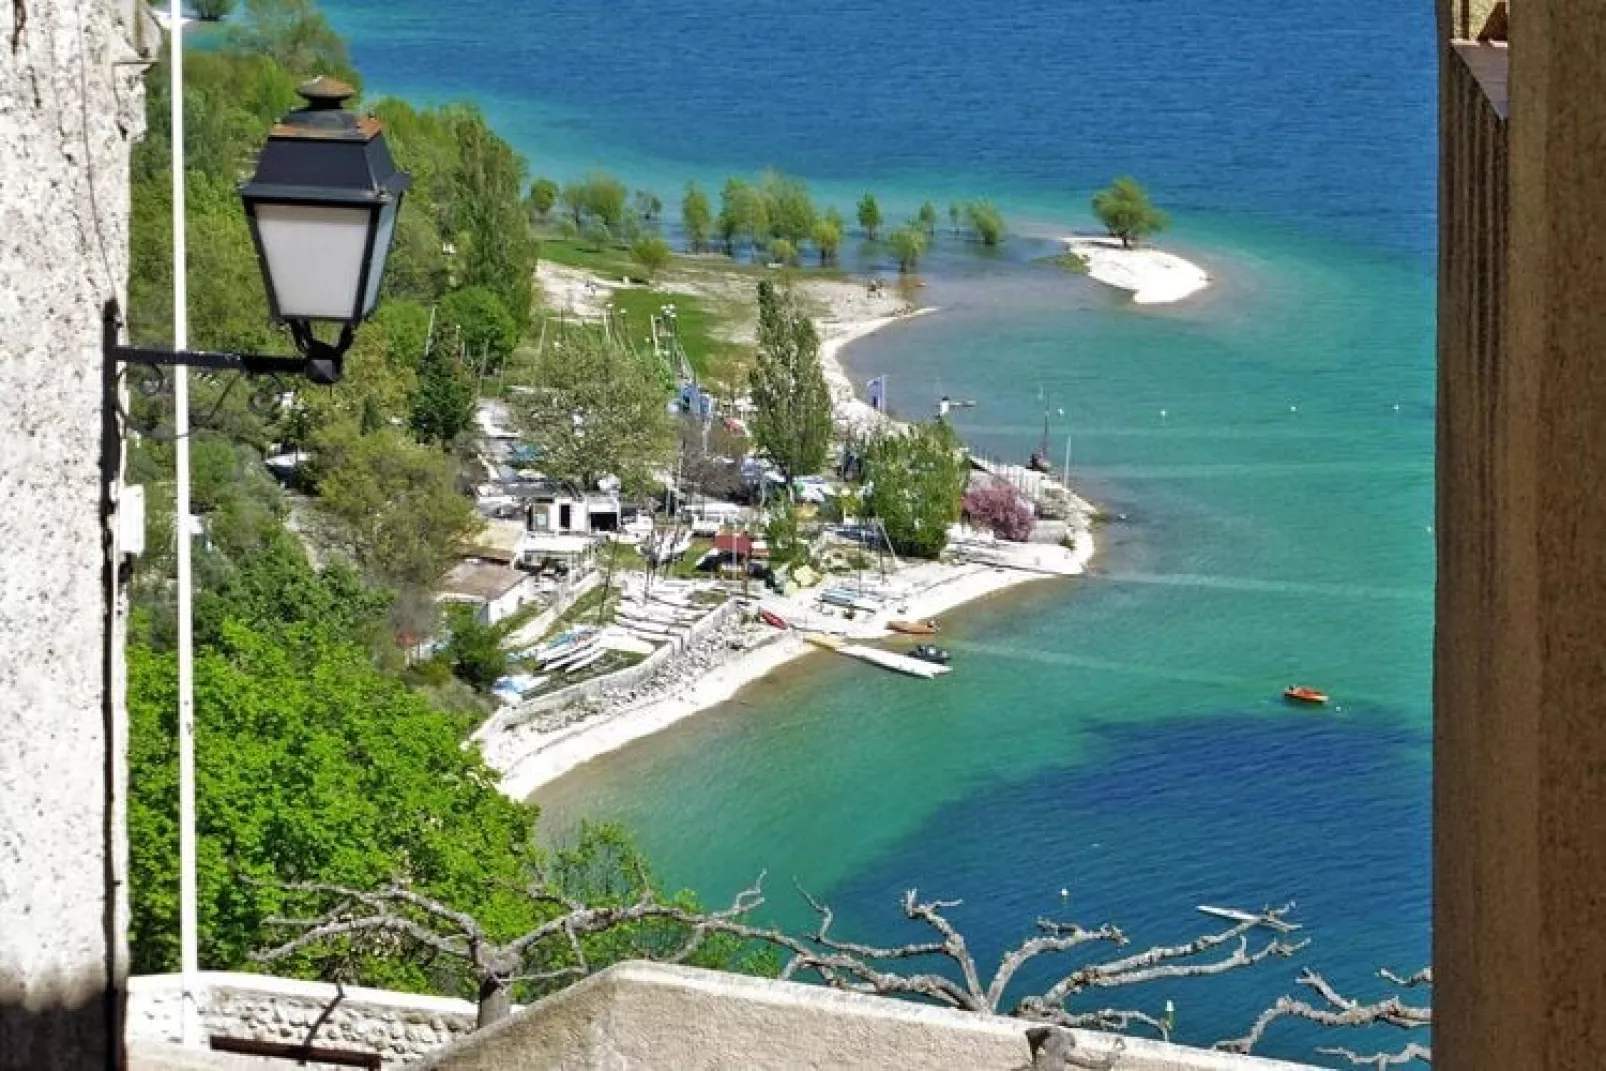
[322,208]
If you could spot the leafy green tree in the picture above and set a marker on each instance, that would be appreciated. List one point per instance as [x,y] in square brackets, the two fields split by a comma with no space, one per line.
[311,766]
[908,245]
[783,252]
[605,199]
[781,532]
[496,247]
[987,222]
[697,217]
[574,203]
[827,240]
[1127,213]
[543,197]
[788,209]
[743,214]
[475,648]
[295,35]
[406,326]
[652,253]
[395,501]
[441,407]
[869,215]
[481,325]
[916,479]
[927,218]
[632,228]
[596,235]
[792,421]
[598,408]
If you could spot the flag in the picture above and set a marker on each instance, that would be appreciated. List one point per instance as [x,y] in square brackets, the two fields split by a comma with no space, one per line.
[877,389]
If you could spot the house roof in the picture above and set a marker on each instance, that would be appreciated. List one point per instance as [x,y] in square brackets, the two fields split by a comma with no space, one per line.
[480,581]
[498,540]
[740,543]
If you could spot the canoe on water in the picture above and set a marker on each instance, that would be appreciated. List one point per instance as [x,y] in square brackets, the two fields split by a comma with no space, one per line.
[914,628]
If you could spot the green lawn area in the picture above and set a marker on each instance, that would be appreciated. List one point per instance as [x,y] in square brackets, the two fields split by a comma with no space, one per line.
[710,356]
[700,318]
[579,254]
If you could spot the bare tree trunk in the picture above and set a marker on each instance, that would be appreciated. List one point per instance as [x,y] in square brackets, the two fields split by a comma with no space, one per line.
[495,1004]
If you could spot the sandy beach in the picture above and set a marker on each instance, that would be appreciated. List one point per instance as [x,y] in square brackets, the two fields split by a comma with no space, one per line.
[532,755]
[1152,276]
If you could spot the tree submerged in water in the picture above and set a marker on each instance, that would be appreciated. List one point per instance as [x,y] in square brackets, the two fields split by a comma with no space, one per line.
[1127,213]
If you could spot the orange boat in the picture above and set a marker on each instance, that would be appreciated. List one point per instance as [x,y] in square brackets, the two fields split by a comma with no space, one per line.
[914,628]
[1299,693]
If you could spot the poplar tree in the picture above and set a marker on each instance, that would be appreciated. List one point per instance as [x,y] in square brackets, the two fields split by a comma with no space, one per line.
[869,215]
[697,217]
[792,425]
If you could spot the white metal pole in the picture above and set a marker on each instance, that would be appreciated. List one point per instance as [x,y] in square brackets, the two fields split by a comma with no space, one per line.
[1067,459]
[189,943]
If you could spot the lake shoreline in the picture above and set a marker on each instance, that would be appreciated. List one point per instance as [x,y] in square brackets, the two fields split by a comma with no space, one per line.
[530,756]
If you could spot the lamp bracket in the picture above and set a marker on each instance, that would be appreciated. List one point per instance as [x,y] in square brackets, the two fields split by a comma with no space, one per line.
[320,361]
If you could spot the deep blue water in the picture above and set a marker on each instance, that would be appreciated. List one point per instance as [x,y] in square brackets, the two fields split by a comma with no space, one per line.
[1269,443]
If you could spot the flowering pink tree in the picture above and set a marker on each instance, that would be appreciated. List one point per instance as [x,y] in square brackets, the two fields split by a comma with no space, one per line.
[1000,509]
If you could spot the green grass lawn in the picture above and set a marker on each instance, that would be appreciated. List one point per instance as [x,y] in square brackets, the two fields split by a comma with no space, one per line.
[700,318]
[575,253]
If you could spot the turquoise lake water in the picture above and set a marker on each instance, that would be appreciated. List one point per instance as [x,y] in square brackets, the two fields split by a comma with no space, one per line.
[1121,735]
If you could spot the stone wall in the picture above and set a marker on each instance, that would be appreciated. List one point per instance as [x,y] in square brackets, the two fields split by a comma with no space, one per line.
[401,1027]
[71,107]
[655,1016]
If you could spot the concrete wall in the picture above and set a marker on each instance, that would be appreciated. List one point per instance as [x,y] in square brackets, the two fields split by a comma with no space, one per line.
[401,1027]
[648,1015]
[71,106]
[1520,651]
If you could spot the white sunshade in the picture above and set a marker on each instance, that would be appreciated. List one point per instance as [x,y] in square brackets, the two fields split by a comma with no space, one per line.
[315,258]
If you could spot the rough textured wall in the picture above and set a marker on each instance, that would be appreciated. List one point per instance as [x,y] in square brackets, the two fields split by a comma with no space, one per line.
[653,1016]
[70,107]
[1520,715]
[400,1027]
[1479,551]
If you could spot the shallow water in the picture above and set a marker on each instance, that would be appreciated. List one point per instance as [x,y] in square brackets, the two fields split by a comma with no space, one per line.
[1269,445]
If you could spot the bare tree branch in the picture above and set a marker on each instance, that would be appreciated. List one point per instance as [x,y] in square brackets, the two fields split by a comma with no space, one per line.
[554,950]
[1382,1060]
[1341,1011]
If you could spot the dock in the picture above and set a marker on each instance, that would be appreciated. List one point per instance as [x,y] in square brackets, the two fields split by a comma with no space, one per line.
[913,667]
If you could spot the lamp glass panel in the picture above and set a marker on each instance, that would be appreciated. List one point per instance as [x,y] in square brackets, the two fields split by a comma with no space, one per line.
[314,258]
[387,228]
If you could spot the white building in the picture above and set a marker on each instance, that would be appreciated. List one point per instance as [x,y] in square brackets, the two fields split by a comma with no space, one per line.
[495,591]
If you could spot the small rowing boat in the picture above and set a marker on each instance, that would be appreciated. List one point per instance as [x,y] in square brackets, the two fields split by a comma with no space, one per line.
[914,628]
[1265,918]
[1299,693]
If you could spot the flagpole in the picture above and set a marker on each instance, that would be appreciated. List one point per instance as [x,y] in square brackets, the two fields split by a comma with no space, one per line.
[189,941]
